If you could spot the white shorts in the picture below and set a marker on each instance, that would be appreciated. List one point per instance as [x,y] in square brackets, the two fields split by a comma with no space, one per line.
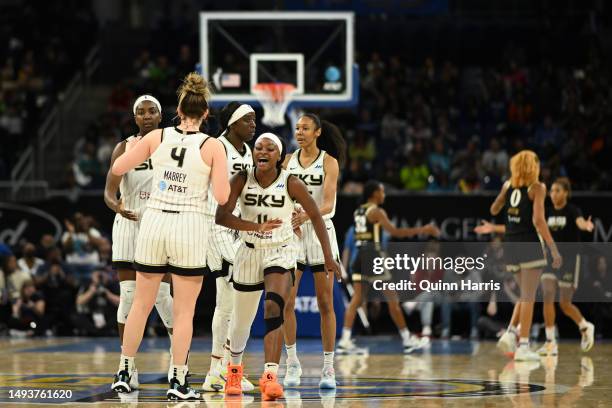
[310,250]
[125,234]
[221,250]
[252,264]
[172,242]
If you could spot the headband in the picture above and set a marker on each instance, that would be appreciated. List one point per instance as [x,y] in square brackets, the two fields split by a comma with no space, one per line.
[240,112]
[273,138]
[147,98]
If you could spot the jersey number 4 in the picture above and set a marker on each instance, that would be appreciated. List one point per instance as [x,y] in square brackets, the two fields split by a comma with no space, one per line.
[178,156]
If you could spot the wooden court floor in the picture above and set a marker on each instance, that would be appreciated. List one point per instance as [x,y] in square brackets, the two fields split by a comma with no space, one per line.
[450,374]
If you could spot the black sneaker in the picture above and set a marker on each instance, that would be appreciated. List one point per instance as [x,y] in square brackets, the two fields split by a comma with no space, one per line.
[123,382]
[176,391]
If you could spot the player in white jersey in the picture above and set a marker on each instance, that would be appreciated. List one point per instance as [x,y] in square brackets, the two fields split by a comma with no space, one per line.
[237,123]
[317,163]
[135,188]
[267,255]
[173,228]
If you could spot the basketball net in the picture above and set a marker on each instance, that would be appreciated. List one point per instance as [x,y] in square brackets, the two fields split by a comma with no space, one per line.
[274,97]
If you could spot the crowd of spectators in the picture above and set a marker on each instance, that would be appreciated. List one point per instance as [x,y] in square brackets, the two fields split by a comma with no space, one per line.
[59,288]
[435,127]
[443,127]
[39,53]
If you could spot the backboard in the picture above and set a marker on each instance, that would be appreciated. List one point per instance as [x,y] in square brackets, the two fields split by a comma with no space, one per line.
[313,51]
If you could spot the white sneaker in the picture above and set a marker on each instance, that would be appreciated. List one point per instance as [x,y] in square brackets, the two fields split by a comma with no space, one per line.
[125,381]
[293,374]
[413,343]
[328,379]
[588,337]
[507,342]
[523,353]
[213,382]
[549,349]
[348,347]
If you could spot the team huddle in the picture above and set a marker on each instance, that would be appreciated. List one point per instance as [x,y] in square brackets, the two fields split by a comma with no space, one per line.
[193,205]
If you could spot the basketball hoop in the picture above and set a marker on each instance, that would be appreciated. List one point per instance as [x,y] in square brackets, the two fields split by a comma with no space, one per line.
[275,98]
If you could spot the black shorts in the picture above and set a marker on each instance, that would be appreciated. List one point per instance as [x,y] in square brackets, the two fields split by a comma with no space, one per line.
[362,269]
[524,255]
[568,274]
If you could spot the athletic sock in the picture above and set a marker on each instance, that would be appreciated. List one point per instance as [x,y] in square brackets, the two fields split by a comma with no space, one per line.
[215,362]
[236,358]
[126,363]
[346,334]
[524,342]
[405,333]
[271,368]
[550,334]
[427,331]
[328,359]
[583,324]
[512,329]
[291,352]
[180,372]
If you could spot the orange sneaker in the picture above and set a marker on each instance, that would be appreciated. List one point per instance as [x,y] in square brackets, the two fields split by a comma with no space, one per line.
[269,386]
[234,377]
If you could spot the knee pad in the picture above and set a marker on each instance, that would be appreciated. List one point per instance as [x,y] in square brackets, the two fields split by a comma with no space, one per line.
[163,304]
[126,298]
[273,323]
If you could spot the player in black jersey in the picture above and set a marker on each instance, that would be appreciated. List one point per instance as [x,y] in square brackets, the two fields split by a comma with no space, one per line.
[565,222]
[369,218]
[523,199]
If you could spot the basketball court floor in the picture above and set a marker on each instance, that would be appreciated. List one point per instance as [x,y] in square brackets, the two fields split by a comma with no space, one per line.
[78,372]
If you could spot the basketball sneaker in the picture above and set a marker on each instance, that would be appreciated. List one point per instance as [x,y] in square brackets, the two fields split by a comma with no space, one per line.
[233,380]
[246,385]
[271,390]
[523,353]
[549,349]
[125,381]
[178,391]
[328,379]
[349,347]
[213,382]
[413,343]
[507,342]
[588,337]
[293,374]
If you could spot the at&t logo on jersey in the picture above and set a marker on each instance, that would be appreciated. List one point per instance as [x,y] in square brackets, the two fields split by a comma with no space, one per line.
[264,200]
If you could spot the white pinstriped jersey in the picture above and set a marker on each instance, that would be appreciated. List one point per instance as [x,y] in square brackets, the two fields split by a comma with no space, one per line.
[180,176]
[135,186]
[313,176]
[259,204]
[236,162]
